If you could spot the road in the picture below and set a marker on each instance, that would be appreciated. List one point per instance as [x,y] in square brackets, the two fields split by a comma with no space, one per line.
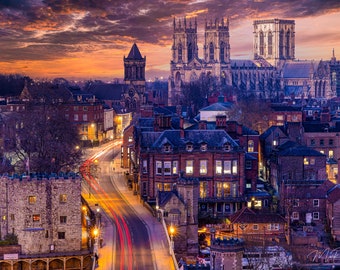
[126,237]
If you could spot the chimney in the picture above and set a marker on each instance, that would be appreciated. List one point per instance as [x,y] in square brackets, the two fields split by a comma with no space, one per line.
[221,121]
[202,125]
[181,127]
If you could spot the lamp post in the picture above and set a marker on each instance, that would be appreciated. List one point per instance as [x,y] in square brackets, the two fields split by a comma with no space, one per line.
[172,231]
[95,247]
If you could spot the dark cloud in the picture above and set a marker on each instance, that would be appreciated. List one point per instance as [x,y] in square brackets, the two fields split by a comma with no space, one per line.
[64,26]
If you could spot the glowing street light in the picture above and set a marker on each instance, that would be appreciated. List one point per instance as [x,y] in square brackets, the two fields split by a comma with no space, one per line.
[172,231]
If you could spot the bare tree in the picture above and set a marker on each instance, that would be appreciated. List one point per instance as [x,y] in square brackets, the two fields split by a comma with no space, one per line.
[44,140]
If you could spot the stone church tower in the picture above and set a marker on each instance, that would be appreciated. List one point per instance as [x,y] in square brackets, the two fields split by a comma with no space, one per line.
[274,40]
[134,78]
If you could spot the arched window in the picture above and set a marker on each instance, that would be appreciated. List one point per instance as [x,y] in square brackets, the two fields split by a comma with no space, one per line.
[222,52]
[211,51]
[270,43]
[288,44]
[261,43]
[179,52]
[190,53]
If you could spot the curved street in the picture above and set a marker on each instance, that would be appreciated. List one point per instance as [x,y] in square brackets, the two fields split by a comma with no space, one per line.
[132,237]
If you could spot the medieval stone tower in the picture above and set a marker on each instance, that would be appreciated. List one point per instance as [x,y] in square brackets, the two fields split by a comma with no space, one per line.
[274,40]
[134,77]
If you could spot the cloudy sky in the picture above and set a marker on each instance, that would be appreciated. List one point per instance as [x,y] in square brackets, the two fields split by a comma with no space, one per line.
[87,39]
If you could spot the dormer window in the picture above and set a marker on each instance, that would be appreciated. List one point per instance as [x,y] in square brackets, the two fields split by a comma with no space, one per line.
[227,147]
[204,147]
[166,148]
[190,147]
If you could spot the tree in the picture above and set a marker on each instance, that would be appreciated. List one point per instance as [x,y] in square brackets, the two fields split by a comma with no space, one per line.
[45,141]
[251,112]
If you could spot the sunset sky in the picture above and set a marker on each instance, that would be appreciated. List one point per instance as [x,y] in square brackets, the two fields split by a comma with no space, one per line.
[87,39]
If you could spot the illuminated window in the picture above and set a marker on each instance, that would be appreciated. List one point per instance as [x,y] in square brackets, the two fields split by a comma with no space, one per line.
[226,189]
[144,166]
[167,187]
[322,151]
[36,218]
[175,167]
[63,219]
[218,167]
[273,227]
[219,189]
[234,168]
[158,167]
[32,199]
[189,166]
[203,189]
[203,166]
[167,167]
[295,215]
[63,198]
[305,161]
[250,146]
[330,153]
[189,147]
[279,117]
[227,167]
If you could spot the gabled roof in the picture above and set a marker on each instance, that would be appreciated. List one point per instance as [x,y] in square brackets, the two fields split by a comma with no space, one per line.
[270,130]
[333,195]
[134,53]
[218,106]
[246,215]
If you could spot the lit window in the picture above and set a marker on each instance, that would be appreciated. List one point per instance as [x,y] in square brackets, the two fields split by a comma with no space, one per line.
[316,203]
[189,167]
[218,166]
[250,146]
[189,147]
[36,218]
[273,227]
[203,189]
[63,219]
[275,143]
[167,187]
[158,167]
[203,166]
[130,139]
[61,235]
[316,215]
[175,167]
[227,167]
[234,168]
[144,166]
[32,199]
[219,189]
[295,215]
[226,189]
[305,161]
[322,151]
[167,167]
[330,153]
[279,117]
[63,198]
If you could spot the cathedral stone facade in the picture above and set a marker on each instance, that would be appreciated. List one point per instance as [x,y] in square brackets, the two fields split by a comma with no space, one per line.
[273,74]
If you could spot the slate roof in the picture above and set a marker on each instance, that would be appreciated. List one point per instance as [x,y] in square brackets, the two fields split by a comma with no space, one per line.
[306,191]
[134,53]
[239,63]
[270,130]
[333,195]
[106,91]
[218,106]
[297,69]
[246,215]
[213,138]
[299,151]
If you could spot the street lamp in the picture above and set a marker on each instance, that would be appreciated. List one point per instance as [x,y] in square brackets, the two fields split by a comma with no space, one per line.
[95,247]
[172,231]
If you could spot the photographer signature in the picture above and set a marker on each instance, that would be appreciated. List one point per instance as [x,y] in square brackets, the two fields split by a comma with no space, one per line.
[326,255]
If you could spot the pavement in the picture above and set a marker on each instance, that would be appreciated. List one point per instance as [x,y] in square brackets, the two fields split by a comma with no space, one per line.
[159,239]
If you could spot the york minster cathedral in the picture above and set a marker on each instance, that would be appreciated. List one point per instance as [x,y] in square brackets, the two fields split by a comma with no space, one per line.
[272,74]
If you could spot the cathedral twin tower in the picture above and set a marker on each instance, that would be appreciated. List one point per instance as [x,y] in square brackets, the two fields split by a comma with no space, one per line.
[274,40]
